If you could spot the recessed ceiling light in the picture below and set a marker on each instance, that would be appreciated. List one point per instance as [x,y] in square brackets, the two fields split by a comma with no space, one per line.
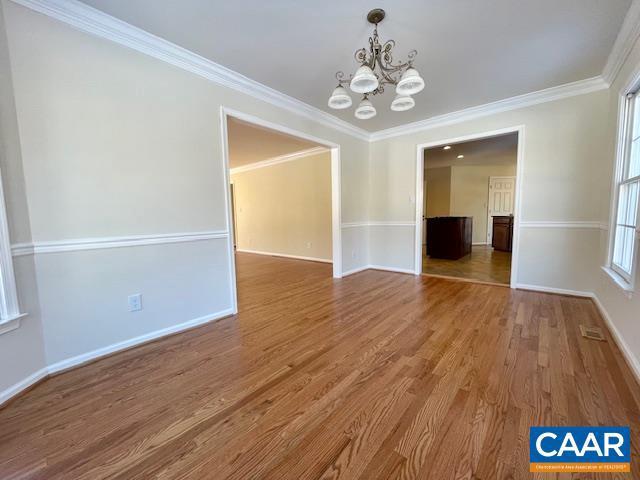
[460,156]
[448,147]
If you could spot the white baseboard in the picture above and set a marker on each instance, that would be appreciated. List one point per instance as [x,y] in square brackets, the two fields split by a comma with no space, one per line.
[284,255]
[559,291]
[15,389]
[631,359]
[132,342]
[355,270]
[480,243]
[378,267]
[101,352]
[392,269]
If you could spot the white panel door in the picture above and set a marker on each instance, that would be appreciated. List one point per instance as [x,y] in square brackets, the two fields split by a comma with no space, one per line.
[502,194]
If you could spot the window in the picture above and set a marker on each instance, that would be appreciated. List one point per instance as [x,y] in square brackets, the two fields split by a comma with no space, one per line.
[625,226]
[9,309]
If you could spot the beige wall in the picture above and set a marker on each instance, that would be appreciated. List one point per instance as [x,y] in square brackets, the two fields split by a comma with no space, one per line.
[286,208]
[116,143]
[106,141]
[437,192]
[470,193]
[21,350]
[564,146]
[623,310]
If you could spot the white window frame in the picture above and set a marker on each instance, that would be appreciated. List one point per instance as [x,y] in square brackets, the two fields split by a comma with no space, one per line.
[623,279]
[9,306]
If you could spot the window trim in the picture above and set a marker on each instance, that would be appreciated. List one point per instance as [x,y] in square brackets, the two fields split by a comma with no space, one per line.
[627,282]
[10,314]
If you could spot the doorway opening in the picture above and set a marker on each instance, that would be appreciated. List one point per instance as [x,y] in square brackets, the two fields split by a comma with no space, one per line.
[467,211]
[282,199]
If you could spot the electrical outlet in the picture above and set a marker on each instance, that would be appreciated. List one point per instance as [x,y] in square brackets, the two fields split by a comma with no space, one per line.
[354,254]
[309,244]
[135,302]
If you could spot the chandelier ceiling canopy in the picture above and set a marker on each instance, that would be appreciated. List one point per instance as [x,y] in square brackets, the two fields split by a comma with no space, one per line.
[376,70]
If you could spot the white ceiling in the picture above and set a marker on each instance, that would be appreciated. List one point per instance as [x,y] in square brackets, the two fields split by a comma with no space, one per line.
[469,52]
[250,143]
[498,150]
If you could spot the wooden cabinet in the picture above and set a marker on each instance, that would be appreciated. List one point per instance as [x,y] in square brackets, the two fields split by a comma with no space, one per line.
[449,237]
[502,237]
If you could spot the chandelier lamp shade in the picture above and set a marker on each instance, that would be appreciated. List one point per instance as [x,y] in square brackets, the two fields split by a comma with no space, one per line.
[364,80]
[340,98]
[402,103]
[365,109]
[377,69]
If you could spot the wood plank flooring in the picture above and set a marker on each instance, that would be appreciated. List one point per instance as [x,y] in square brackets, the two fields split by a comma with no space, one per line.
[374,376]
[483,263]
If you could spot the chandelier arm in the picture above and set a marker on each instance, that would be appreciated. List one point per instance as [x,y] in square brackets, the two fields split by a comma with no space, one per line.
[386,73]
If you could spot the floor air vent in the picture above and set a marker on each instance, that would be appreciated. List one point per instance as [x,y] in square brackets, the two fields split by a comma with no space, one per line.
[593,333]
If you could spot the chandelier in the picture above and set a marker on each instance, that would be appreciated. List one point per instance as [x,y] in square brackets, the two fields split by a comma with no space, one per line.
[377,70]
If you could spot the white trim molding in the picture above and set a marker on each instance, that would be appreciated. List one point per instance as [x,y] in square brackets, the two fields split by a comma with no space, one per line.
[558,291]
[378,267]
[627,288]
[289,157]
[626,39]
[355,270]
[79,244]
[108,350]
[632,361]
[355,224]
[419,191]
[93,21]
[336,168]
[22,385]
[542,96]
[564,224]
[284,255]
[392,269]
[378,224]
[627,353]
[132,342]
[391,224]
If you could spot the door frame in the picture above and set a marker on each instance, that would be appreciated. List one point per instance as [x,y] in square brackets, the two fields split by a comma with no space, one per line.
[336,232]
[419,198]
[489,221]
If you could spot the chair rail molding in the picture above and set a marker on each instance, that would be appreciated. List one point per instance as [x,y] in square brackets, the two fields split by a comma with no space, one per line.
[589,225]
[78,244]
[378,224]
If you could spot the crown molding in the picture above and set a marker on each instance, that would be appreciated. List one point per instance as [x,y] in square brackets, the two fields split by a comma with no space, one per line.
[541,96]
[279,159]
[96,22]
[626,39]
[93,21]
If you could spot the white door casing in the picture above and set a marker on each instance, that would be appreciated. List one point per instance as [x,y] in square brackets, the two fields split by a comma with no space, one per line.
[501,200]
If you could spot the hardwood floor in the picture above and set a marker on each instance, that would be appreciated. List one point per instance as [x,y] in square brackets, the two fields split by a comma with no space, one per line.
[484,264]
[374,376]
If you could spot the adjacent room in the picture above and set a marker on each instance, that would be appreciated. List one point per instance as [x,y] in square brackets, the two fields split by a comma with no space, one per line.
[469,201]
[280,192]
[281,204]
[290,240]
